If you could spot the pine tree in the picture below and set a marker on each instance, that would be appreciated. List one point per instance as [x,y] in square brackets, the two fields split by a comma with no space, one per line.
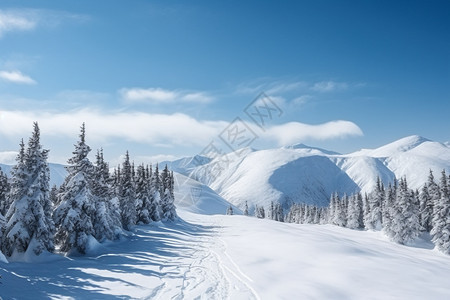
[127,195]
[279,212]
[230,210]
[389,211]
[426,209]
[246,209]
[75,213]
[373,220]
[54,195]
[441,218]
[354,212]
[167,198]
[143,198]
[405,226]
[4,190]
[433,190]
[29,223]
[106,218]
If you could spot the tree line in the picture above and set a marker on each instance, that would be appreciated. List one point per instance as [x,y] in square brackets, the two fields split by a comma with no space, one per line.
[90,204]
[401,213]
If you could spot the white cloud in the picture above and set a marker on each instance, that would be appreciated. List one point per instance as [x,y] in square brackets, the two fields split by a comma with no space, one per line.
[8,157]
[16,77]
[329,86]
[295,132]
[15,21]
[159,95]
[299,101]
[175,129]
[27,19]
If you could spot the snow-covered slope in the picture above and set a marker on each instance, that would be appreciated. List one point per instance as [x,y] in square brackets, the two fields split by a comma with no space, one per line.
[193,196]
[236,257]
[412,157]
[301,173]
[186,165]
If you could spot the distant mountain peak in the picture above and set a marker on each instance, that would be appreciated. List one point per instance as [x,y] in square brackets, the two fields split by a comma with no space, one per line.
[303,146]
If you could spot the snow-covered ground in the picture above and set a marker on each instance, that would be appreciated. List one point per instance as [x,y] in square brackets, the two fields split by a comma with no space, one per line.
[236,257]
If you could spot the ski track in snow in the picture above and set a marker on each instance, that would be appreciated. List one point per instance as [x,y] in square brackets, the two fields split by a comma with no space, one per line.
[172,261]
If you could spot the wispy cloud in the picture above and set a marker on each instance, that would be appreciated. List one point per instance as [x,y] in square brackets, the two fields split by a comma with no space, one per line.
[295,132]
[16,77]
[27,19]
[15,21]
[159,95]
[329,86]
[172,129]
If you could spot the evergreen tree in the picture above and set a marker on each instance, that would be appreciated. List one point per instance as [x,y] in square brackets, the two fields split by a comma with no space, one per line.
[404,227]
[389,211]
[433,190]
[155,195]
[230,210]
[127,195]
[426,209]
[441,218]
[143,198]
[246,209]
[106,216]
[29,222]
[76,210]
[279,212]
[373,219]
[354,212]
[54,195]
[4,190]
[167,198]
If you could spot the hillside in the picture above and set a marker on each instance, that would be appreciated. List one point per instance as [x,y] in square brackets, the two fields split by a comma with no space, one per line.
[236,257]
[307,174]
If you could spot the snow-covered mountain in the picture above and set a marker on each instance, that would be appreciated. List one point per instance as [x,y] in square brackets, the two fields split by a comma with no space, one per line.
[306,174]
[300,173]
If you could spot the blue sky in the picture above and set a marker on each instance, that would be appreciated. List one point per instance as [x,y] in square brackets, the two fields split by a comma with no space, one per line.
[164,78]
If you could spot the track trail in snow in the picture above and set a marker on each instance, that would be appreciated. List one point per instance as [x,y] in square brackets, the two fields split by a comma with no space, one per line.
[204,270]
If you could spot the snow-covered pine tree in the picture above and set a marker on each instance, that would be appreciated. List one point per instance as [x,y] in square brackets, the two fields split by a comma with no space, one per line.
[74,214]
[404,227]
[106,217]
[389,211]
[155,195]
[246,209]
[354,212]
[260,212]
[333,208]
[340,217]
[54,195]
[441,218]
[4,190]
[167,198]
[127,194]
[230,210]
[373,220]
[29,222]
[433,190]
[271,211]
[426,209]
[143,201]
[279,212]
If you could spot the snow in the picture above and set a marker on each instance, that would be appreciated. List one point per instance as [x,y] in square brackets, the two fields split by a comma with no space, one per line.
[193,196]
[301,173]
[206,254]
[237,257]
